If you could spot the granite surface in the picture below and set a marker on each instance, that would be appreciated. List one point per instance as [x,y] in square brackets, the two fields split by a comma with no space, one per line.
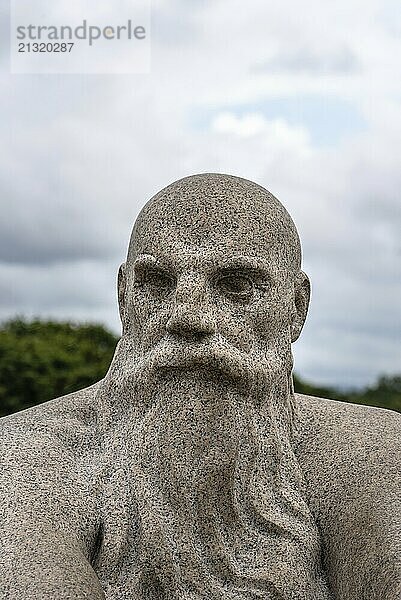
[192,471]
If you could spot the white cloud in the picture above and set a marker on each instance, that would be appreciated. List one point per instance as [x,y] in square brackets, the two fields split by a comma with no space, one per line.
[275,134]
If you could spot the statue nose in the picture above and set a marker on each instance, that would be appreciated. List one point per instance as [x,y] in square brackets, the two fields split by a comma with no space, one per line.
[191,317]
[191,321]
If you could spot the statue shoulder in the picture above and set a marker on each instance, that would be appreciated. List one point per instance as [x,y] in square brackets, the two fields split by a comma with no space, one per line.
[349,451]
[66,421]
[49,500]
[348,427]
[350,456]
[46,450]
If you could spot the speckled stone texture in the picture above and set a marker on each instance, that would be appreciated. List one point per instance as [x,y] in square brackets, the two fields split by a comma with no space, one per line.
[193,471]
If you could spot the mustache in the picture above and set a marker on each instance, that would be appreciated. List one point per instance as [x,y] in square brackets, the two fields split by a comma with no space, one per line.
[214,355]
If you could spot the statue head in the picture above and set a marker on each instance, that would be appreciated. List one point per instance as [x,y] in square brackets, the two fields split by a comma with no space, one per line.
[213,278]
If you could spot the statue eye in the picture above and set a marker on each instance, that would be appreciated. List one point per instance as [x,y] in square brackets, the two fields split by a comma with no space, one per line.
[236,286]
[156,280]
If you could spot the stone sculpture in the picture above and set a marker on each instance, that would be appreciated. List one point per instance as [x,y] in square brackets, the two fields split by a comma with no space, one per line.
[192,471]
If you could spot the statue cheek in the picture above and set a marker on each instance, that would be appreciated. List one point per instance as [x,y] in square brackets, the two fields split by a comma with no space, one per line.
[148,323]
[139,311]
[271,321]
[237,329]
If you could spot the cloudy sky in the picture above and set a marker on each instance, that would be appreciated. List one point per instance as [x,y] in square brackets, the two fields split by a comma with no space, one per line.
[304,98]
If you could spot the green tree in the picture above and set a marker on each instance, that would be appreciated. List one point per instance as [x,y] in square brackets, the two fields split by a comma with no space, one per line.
[385,393]
[40,360]
[304,387]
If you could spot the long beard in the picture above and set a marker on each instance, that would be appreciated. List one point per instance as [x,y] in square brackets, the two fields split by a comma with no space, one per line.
[216,494]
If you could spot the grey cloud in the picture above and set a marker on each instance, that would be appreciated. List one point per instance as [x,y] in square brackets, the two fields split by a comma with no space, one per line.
[381,209]
[167,29]
[51,226]
[45,244]
[353,329]
[179,23]
[84,290]
[314,61]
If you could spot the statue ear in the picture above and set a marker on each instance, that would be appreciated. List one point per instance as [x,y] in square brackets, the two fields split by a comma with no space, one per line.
[121,285]
[302,296]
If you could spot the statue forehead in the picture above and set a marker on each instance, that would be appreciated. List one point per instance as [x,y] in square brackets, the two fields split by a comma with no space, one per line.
[226,213]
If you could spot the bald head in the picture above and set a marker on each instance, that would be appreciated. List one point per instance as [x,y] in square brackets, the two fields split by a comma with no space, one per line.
[216,240]
[220,210]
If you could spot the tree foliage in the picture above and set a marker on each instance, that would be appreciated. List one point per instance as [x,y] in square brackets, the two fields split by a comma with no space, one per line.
[385,393]
[40,360]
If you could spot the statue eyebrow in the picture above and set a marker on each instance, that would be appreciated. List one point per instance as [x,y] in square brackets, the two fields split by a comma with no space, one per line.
[251,263]
[148,260]
[245,263]
[144,260]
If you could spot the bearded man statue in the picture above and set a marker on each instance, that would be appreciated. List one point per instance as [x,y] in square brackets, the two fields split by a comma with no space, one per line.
[193,471]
